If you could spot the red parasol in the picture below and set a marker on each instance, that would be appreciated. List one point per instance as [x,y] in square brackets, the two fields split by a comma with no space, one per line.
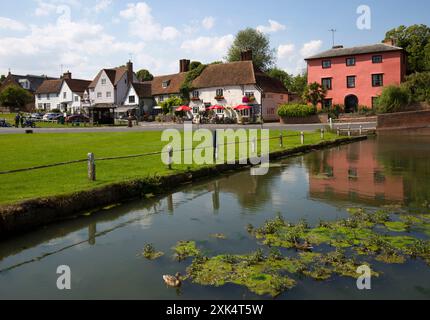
[183,108]
[242,107]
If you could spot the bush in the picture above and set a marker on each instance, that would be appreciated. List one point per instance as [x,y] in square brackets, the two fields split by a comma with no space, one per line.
[168,104]
[366,111]
[418,85]
[296,110]
[334,111]
[393,99]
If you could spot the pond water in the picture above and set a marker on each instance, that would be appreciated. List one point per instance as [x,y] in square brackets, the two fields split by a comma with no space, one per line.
[102,248]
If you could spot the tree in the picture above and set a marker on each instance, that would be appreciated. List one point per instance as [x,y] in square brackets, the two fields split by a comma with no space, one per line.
[415,40]
[299,84]
[168,104]
[418,85]
[15,97]
[2,78]
[144,75]
[195,65]
[259,43]
[314,93]
[281,75]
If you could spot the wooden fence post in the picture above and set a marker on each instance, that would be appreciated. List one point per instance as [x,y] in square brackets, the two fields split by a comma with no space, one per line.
[170,156]
[331,123]
[361,130]
[349,130]
[302,137]
[91,167]
[338,131]
[322,133]
[281,140]
[215,145]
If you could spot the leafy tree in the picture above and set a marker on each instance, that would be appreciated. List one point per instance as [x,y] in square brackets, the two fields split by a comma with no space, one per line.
[415,40]
[314,93]
[195,65]
[2,78]
[216,62]
[281,75]
[393,99]
[15,97]
[418,85]
[299,84]
[259,43]
[144,75]
[171,102]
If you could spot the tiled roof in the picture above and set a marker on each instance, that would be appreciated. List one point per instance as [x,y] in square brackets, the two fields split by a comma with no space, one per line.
[235,74]
[50,86]
[77,85]
[114,75]
[375,48]
[35,81]
[143,90]
[226,74]
[175,82]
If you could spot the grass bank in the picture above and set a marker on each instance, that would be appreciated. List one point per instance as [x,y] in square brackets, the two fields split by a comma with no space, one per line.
[56,193]
[23,151]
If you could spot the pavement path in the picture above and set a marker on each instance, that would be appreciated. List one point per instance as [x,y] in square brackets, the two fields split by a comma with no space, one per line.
[162,126]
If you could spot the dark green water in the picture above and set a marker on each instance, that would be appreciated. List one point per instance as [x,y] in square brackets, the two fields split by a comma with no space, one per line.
[102,249]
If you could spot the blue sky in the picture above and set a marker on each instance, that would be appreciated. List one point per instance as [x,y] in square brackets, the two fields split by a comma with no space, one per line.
[38,36]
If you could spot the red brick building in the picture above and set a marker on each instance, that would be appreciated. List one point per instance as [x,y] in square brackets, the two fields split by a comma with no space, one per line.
[356,76]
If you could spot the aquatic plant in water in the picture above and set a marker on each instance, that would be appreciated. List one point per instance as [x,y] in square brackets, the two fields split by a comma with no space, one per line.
[150,253]
[185,249]
[364,233]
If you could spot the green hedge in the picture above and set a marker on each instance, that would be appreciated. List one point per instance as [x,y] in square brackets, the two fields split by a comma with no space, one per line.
[295,110]
[393,99]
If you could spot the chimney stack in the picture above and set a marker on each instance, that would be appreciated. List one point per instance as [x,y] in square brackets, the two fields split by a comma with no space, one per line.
[390,42]
[67,75]
[130,72]
[184,65]
[246,55]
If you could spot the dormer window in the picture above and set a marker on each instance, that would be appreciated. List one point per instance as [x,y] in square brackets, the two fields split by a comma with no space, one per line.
[165,84]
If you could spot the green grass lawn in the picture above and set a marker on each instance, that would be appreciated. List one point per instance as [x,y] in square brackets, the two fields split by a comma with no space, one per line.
[19,151]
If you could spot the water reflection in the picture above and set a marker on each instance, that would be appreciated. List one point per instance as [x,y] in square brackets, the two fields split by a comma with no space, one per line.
[318,186]
[354,174]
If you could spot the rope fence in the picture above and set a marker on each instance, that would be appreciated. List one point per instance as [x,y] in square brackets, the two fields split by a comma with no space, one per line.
[215,145]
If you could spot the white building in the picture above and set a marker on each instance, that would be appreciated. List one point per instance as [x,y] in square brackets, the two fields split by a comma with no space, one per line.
[64,94]
[238,83]
[138,99]
[110,86]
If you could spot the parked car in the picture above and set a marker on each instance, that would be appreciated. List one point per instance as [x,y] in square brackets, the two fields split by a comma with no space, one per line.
[51,116]
[36,116]
[77,118]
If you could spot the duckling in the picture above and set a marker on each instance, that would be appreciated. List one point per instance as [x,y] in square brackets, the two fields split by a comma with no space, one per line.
[173,281]
[306,246]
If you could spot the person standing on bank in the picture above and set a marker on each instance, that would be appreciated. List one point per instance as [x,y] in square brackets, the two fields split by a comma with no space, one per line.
[17,119]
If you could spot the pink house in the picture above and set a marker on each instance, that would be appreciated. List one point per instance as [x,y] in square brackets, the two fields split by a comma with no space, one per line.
[356,76]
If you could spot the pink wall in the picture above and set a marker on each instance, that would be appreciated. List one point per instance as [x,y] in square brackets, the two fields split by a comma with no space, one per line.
[393,68]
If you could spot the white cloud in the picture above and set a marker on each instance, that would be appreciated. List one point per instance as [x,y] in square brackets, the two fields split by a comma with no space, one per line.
[143,25]
[273,26]
[209,47]
[285,50]
[79,45]
[102,5]
[208,23]
[10,24]
[310,48]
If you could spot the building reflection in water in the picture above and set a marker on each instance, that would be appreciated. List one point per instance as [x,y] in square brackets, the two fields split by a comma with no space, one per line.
[352,173]
[92,232]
